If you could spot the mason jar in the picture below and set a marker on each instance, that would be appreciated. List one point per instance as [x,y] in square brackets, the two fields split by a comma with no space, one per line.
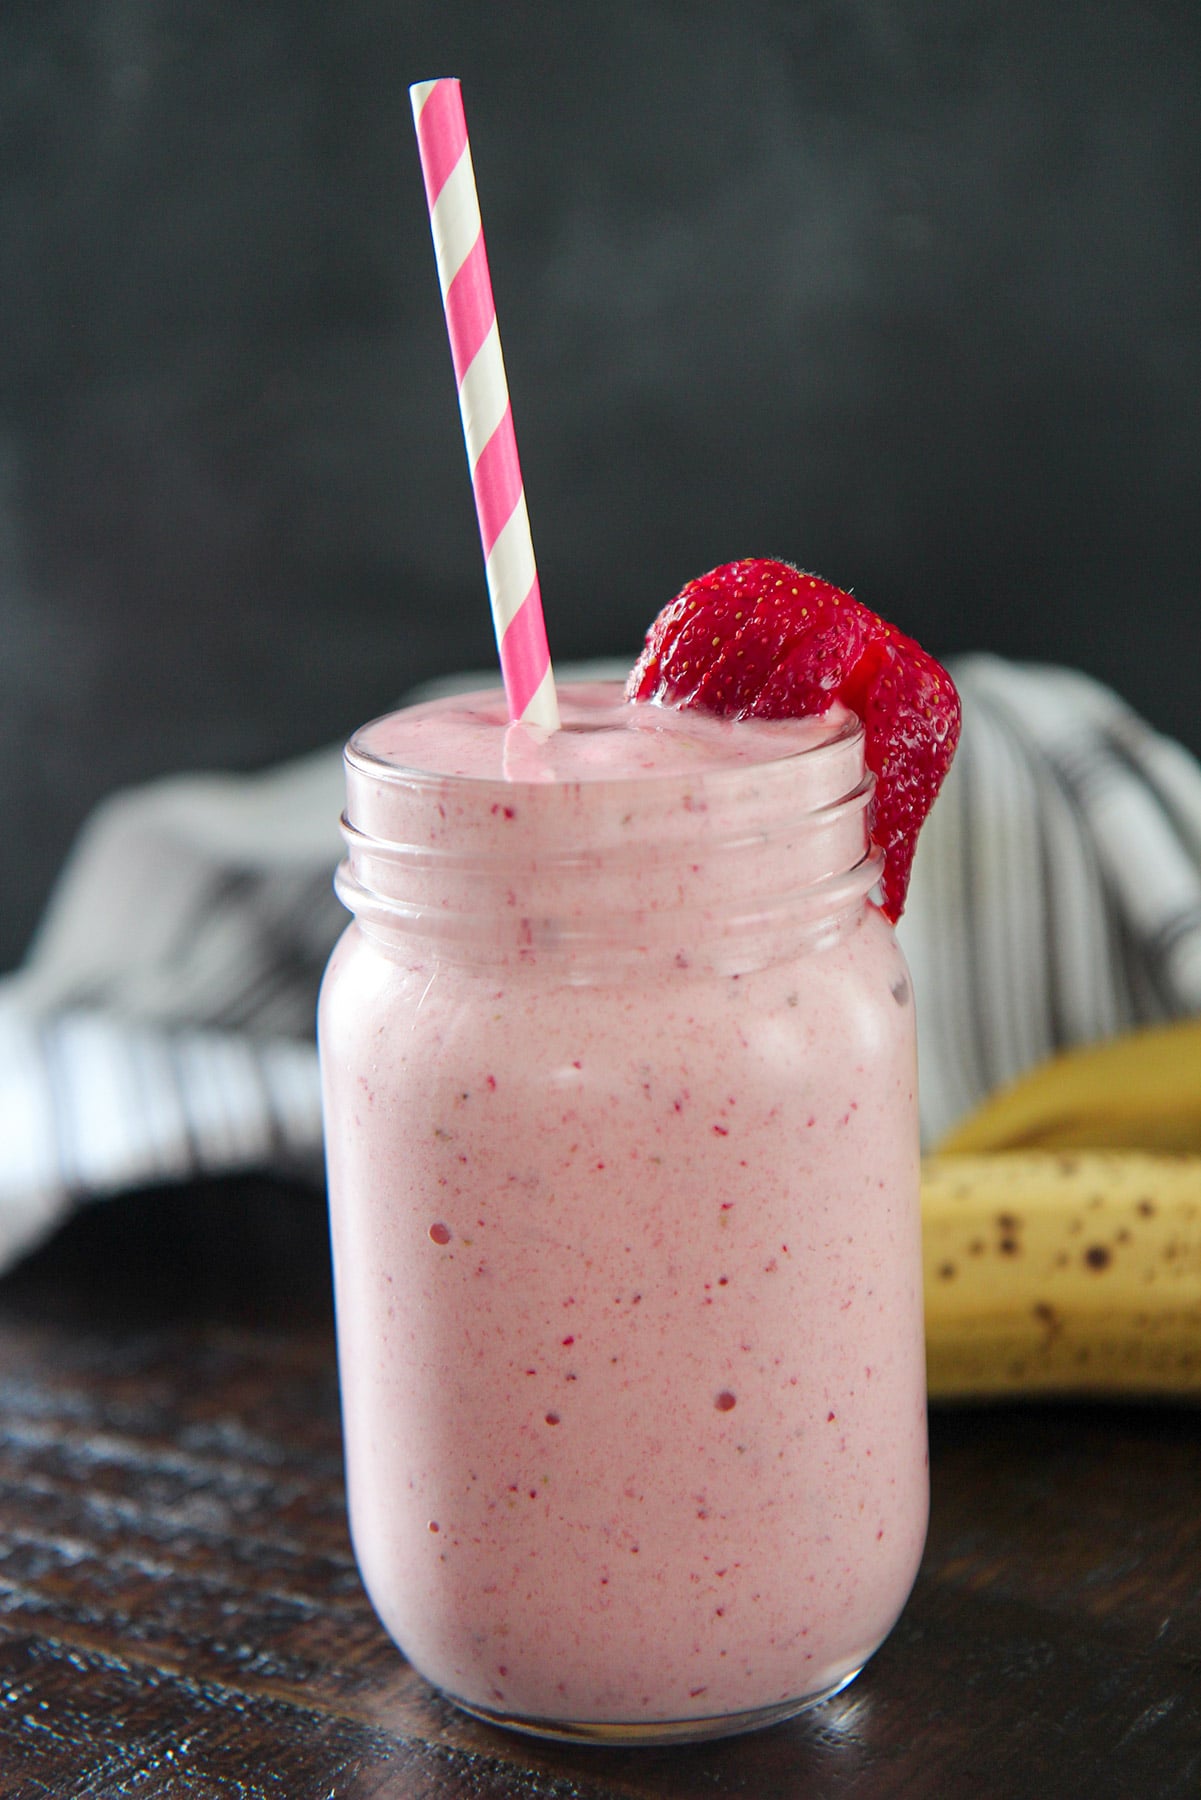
[620,1094]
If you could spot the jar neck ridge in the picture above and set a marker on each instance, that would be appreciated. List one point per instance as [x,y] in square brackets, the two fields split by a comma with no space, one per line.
[729,867]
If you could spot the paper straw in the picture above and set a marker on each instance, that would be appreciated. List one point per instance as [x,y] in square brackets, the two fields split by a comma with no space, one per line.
[484,402]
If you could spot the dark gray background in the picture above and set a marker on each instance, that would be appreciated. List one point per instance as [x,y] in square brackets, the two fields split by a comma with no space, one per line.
[905,293]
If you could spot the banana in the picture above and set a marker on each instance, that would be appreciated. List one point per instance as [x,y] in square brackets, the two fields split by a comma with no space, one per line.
[1140,1090]
[1075,1273]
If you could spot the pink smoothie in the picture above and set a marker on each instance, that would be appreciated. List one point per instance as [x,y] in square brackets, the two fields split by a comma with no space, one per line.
[622,1138]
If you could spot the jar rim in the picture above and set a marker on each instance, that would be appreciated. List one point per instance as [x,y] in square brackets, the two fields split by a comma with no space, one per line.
[715,830]
[813,739]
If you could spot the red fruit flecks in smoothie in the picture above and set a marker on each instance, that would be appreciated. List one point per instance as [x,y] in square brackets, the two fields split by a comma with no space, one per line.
[760,639]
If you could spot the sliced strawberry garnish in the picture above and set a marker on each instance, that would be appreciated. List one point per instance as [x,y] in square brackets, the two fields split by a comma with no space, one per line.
[760,639]
[690,636]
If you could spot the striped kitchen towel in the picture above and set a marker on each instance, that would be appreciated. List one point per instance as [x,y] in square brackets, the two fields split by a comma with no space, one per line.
[1056,894]
[162,1025]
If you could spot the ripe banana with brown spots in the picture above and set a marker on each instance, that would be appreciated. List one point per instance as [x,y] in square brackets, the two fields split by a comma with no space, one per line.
[1062,1272]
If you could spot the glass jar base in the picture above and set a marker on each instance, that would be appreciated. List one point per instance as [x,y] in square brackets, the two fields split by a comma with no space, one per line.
[657,1731]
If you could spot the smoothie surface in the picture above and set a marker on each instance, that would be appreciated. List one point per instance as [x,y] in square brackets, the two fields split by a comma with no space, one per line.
[603,738]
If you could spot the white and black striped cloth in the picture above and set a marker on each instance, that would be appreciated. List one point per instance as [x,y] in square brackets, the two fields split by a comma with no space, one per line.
[162,1026]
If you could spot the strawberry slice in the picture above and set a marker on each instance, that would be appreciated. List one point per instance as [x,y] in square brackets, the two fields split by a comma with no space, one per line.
[760,639]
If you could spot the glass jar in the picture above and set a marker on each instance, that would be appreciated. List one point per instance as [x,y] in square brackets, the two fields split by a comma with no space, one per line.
[620,1088]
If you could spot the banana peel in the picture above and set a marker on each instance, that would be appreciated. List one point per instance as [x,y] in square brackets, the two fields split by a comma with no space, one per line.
[1139,1091]
[1069,1273]
[1062,1229]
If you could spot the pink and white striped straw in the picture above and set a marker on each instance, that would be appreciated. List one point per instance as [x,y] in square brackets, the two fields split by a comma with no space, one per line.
[484,403]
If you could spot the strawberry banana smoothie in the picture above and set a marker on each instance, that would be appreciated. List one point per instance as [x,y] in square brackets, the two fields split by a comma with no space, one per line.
[621,1116]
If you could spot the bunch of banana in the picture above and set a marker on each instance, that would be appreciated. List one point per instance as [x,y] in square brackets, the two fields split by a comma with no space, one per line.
[1062,1229]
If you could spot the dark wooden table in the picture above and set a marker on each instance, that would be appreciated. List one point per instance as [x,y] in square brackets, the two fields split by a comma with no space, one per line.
[180,1613]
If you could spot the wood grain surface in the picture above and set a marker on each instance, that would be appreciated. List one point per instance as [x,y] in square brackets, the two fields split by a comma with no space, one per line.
[180,1613]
